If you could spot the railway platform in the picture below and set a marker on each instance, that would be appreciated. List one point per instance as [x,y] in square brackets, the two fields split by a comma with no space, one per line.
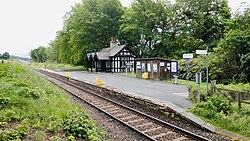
[157,91]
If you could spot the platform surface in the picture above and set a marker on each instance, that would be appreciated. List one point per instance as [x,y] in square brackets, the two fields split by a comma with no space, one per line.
[150,89]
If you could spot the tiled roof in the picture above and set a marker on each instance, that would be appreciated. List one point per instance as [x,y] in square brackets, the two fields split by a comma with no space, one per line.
[106,53]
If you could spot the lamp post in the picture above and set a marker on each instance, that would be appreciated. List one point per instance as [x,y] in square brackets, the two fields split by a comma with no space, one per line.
[205,52]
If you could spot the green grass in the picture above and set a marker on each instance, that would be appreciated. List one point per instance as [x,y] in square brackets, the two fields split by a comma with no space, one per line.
[53,66]
[31,107]
[224,114]
[193,84]
[238,87]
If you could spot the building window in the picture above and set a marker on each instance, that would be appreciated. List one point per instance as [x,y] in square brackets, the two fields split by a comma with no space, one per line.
[108,64]
[98,64]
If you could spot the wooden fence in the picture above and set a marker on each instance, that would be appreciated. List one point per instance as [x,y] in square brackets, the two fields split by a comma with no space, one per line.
[239,96]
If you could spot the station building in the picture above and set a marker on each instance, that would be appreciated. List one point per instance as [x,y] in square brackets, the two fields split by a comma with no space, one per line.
[115,58]
[156,68]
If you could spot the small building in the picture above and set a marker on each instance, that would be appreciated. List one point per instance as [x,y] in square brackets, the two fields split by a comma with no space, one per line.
[116,58]
[157,68]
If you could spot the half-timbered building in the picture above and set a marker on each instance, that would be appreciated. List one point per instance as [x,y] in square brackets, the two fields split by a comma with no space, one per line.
[116,58]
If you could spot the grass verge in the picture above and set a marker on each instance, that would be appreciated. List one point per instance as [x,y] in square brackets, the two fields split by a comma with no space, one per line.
[53,66]
[224,114]
[31,108]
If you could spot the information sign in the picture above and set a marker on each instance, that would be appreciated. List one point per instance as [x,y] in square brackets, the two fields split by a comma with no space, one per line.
[162,64]
[201,51]
[138,65]
[154,67]
[188,56]
[143,67]
[174,67]
[149,67]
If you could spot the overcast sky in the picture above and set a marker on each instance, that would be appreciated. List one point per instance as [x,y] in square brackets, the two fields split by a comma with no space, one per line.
[28,24]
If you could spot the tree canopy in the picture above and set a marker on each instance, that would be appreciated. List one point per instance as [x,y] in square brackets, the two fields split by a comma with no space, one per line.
[88,27]
[5,55]
[233,51]
[39,54]
[158,28]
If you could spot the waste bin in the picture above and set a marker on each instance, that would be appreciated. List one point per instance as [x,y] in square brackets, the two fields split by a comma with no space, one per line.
[145,75]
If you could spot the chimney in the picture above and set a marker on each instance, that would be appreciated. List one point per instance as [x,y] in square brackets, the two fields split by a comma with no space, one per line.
[113,42]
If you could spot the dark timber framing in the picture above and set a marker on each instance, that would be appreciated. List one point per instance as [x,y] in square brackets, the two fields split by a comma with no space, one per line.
[113,59]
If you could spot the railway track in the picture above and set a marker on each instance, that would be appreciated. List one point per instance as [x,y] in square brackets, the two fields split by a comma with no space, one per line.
[150,127]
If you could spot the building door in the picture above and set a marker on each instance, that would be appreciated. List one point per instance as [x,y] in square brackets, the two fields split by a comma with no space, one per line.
[163,73]
[103,66]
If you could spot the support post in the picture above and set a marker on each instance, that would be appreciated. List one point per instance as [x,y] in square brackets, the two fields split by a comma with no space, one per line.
[91,66]
[239,100]
[198,81]
[187,69]
[207,68]
[213,87]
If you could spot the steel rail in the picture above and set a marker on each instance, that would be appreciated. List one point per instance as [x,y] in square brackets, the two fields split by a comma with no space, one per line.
[180,130]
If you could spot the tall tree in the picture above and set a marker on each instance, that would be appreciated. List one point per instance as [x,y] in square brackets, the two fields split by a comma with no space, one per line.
[5,55]
[233,52]
[204,21]
[39,54]
[144,25]
[88,27]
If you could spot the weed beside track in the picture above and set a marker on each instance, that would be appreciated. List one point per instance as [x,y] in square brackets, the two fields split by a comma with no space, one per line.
[31,108]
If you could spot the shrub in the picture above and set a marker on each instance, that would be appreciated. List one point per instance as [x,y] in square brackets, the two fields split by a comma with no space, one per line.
[3,101]
[27,92]
[54,124]
[213,106]
[80,125]
[55,138]
[15,134]
[221,112]
[70,138]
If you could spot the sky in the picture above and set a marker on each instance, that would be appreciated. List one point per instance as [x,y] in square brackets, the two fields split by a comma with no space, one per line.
[28,24]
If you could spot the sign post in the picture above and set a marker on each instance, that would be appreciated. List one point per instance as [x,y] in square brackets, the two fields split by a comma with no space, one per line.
[206,53]
[197,76]
[187,57]
[198,81]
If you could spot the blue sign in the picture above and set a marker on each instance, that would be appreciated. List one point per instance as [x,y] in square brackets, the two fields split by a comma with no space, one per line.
[174,67]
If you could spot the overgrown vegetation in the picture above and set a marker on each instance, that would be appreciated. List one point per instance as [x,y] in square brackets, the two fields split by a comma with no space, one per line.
[33,109]
[223,113]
